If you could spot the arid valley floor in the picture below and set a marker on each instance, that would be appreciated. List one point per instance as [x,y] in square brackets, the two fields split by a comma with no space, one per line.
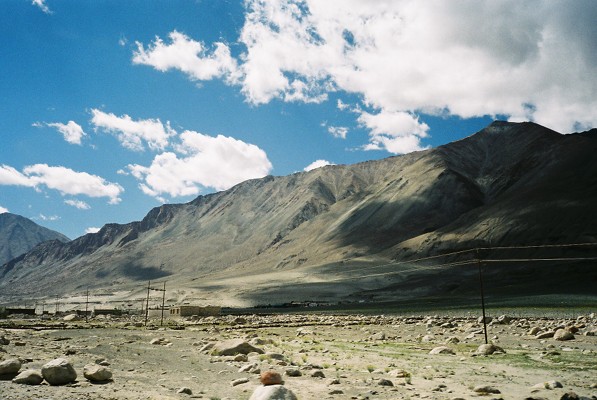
[319,357]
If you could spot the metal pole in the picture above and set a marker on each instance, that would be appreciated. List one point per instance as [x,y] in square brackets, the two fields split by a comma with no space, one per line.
[482,295]
[147,303]
[163,303]
[87,307]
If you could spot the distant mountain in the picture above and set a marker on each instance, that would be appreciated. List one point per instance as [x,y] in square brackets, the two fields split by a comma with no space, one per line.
[18,235]
[337,232]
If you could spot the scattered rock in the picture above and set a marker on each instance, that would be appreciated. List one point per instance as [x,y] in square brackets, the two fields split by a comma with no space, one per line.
[488,349]
[545,335]
[97,373]
[29,377]
[378,336]
[570,396]
[442,350]
[563,334]
[10,366]
[268,378]
[317,374]
[239,381]
[486,389]
[71,317]
[59,372]
[233,347]
[385,382]
[185,390]
[293,372]
[4,341]
[273,392]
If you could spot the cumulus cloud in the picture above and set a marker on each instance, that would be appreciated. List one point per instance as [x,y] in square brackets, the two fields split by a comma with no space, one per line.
[201,161]
[338,131]
[42,6]
[526,60]
[64,180]
[81,205]
[189,56]
[71,131]
[134,135]
[3,210]
[92,229]
[317,164]
[396,132]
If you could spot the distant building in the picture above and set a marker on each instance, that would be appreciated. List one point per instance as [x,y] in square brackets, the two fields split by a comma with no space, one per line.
[189,311]
[23,311]
[106,311]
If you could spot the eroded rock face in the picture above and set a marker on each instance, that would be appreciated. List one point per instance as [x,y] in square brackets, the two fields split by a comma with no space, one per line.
[273,392]
[59,372]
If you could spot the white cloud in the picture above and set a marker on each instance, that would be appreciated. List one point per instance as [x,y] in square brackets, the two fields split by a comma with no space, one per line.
[203,161]
[92,229]
[42,6]
[3,210]
[338,131]
[133,134]
[396,132]
[65,180]
[48,217]
[527,60]
[81,205]
[188,56]
[317,164]
[72,132]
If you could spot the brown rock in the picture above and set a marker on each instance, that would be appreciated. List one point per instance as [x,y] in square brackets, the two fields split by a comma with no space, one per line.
[270,378]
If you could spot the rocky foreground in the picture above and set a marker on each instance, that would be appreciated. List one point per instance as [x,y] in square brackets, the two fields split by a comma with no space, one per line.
[316,356]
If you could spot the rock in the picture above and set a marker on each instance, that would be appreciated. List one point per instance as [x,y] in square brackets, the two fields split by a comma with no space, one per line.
[59,372]
[268,378]
[504,319]
[71,317]
[378,336]
[486,389]
[185,390]
[488,349]
[233,347]
[570,396]
[159,341]
[385,382]
[275,356]
[252,368]
[4,341]
[29,377]
[427,338]
[239,381]
[452,340]
[273,392]
[293,372]
[97,373]
[563,334]
[442,350]
[487,320]
[545,335]
[399,373]
[317,374]
[534,331]
[10,366]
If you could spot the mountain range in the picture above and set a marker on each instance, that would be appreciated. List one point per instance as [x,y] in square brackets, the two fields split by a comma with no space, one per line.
[343,232]
[18,235]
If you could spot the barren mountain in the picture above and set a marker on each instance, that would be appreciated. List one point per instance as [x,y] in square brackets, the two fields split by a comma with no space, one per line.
[18,235]
[337,232]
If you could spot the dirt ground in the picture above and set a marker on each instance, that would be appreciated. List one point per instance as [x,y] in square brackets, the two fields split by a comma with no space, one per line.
[332,356]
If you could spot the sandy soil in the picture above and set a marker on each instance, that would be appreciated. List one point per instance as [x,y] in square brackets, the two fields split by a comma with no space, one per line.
[354,353]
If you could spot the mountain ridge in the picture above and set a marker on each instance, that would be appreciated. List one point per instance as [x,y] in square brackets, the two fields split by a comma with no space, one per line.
[497,186]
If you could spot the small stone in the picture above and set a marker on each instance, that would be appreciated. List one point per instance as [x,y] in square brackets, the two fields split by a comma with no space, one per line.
[239,381]
[317,374]
[4,341]
[293,372]
[442,350]
[233,347]
[184,390]
[545,335]
[385,382]
[335,391]
[488,349]
[570,396]
[97,373]
[486,389]
[29,377]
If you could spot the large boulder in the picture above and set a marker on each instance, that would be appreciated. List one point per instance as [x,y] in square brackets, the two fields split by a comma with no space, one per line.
[442,350]
[97,373]
[563,334]
[273,392]
[233,347]
[29,377]
[59,372]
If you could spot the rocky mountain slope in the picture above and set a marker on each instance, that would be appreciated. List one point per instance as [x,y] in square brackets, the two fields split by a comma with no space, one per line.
[18,235]
[336,232]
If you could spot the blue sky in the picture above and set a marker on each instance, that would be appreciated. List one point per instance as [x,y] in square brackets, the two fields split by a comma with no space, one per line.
[109,108]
